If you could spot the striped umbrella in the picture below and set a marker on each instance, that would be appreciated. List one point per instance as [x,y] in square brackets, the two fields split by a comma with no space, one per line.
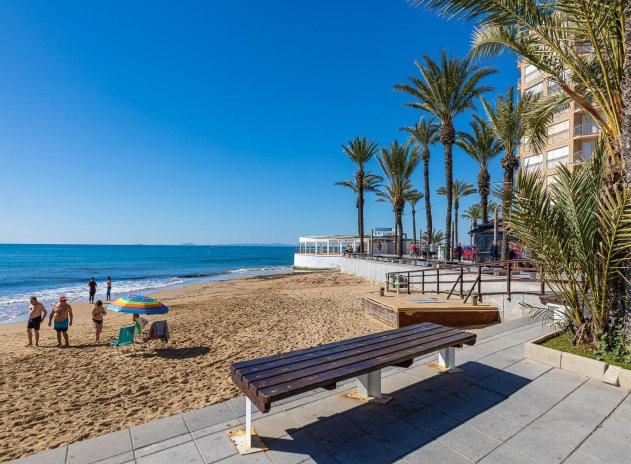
[138,304]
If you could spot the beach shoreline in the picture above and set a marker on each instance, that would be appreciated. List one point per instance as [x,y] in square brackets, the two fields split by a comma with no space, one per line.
[88,390]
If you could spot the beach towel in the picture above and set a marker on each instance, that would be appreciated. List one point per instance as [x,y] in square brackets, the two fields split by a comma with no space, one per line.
[159,330]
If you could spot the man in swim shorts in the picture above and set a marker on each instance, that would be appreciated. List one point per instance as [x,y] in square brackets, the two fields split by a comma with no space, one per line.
[92,287]
[62,312]
[36,314]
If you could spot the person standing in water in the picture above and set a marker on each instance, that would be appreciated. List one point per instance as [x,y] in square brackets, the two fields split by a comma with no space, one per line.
[108,292]
[92,286]
[62,312]
[36,314]
[97,319]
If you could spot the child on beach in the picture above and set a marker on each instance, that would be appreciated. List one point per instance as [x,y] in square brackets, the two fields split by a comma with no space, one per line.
[97,319]
[108,292]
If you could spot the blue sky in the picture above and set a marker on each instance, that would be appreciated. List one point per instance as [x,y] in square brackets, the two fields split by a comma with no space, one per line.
[206,122]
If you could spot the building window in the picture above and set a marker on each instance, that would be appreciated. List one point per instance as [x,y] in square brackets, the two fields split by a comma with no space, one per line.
[535,90]
[559,131]
[558,156]
[533,163]
[588,127]
[531,72]
[561,110]
[553,87]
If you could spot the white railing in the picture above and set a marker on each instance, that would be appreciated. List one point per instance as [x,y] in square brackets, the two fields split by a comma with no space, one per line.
[586,129]
[580,156]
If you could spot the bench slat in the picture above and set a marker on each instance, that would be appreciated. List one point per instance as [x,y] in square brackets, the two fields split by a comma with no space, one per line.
[279,359]
[348,357]
[339,353]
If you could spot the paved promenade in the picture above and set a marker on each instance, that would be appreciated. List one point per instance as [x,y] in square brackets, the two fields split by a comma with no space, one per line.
[502,408]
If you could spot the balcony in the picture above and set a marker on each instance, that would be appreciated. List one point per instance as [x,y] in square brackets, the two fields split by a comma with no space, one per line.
[586,129]
[581,156]
[553,163]
[563,135]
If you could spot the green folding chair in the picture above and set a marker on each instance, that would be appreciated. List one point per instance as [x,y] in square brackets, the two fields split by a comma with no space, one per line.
[125,338]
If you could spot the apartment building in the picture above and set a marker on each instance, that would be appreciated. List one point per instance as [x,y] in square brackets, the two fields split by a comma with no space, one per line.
[572,135]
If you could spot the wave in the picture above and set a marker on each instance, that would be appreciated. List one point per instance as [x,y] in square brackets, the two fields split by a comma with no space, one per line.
[262,270]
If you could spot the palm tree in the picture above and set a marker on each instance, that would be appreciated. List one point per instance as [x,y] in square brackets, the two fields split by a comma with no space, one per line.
[579,44]
[413,198]
[360,151]
[507,122]
[398,163]
[446,89]
[435,236]
[424,134]
[483,147]
[579,234]
[473,213]
[626,98]
[460,189]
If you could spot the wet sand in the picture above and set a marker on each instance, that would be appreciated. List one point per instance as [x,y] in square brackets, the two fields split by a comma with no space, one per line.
[52,396]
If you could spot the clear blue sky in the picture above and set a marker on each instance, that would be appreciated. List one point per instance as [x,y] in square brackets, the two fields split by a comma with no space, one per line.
[206,122]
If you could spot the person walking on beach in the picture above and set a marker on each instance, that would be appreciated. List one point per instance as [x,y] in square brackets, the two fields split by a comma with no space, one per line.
[108,292]
[494,252]
[92,286]
[97,319]
[458,252]
[36,314]
[62,312]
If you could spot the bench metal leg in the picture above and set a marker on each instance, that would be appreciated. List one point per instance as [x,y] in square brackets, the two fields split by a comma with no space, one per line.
[246,440]
[248,422]
[447,360]
[368,388]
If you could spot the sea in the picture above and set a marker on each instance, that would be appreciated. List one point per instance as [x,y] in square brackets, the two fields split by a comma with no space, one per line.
[49,271]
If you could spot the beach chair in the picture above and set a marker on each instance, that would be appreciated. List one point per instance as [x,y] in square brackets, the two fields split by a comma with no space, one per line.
[125,338]
[159,330]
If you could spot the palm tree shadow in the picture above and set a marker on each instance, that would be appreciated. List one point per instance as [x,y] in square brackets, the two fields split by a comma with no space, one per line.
[176,353]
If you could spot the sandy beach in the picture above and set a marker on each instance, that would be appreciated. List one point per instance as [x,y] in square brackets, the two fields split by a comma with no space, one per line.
[52,396]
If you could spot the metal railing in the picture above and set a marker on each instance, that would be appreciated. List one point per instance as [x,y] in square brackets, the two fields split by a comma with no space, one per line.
[470,279]
[586,129]
[580,156]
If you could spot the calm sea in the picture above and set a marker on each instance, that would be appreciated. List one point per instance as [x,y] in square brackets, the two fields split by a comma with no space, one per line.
[48,271]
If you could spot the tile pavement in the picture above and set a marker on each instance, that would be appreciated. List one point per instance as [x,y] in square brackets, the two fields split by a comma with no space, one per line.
[502,408]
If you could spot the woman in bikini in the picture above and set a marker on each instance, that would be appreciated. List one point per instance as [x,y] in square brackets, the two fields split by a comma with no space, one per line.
[97,318]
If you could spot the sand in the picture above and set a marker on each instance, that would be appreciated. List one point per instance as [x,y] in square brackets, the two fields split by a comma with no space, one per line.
[53,396]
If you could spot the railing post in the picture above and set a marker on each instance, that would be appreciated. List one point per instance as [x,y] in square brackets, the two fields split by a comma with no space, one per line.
[508,279]
[461,280]
[480,284]
[423,282]
[387,282]
[408,283]
[437,280]
[543,283]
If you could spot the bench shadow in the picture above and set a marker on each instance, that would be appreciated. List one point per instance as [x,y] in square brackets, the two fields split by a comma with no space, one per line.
[417,415]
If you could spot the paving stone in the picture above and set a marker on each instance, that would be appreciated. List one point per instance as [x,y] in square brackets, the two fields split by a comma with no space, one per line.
[366,451]
[237,405]
[579,458]
[99,448]
[341,402]
[52,456]
[125,458]
[397,382]
[503,455]
[401,437]
[163,445]
[403,404]
[596,396]
[503,383]
[521,412]
[309,413]
[527,369]
[208,416]
[182,454]
[459,408]
[432,421]
[539,447]
[482,396]
[296,447]
[607,447]
[370,416]
[567,424]
[158,430]
[223,426]
[216,446]
[450,383]
[334,432]
[255,458]
[495,425]
[275,426]
[469,442]
[435,452]
[427,392]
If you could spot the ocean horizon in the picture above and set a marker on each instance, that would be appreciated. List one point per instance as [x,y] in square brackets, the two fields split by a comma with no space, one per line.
[48,271]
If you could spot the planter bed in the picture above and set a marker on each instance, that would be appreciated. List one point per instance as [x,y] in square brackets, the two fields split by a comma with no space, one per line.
[558,352]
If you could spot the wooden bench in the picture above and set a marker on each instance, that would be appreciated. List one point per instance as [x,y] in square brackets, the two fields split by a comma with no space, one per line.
[273,378]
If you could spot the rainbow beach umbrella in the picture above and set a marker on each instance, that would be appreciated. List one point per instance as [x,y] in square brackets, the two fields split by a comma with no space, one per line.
[138,304]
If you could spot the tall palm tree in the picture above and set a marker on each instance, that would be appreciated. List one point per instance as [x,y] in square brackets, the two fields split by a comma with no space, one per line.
[360,151]
[434,236]
[398,163]
[424,133]
[579,44]
[507,121]
[626,98]
[460,189]
[483,147]
[413,198]
[446,90]
[473,213]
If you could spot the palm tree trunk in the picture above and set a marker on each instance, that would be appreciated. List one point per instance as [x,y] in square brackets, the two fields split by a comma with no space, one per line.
[400,235]
[483,188]
[428,205]
[626,97]
[414,224]
[396,234]
[360,211]
[509,163]
[456,206]
[448,138]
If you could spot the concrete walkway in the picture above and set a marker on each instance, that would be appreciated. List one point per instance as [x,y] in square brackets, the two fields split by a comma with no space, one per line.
[502,408]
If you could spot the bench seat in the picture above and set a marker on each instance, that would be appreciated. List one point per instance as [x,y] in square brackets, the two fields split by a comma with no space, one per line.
[273,378]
